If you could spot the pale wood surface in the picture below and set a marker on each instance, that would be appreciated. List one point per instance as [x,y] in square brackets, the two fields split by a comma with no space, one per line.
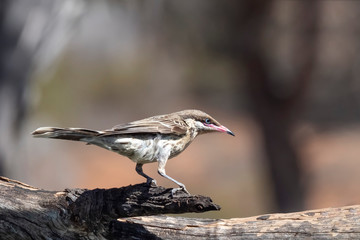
[329,223]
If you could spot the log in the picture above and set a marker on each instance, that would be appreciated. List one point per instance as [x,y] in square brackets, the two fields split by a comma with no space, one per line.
[27,212]
[329,223]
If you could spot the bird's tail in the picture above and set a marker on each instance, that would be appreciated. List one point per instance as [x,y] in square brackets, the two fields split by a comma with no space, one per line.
[75,134]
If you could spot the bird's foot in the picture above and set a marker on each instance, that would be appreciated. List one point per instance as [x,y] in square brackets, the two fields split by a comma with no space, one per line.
[181,188]
[151,182]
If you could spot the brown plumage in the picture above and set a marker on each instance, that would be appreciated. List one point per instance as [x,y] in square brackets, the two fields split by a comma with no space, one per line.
[153,139]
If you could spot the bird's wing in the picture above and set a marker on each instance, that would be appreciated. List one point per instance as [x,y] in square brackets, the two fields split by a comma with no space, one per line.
[158,124]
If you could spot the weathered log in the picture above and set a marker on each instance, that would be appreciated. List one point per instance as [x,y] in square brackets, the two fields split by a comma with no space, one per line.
[30,213]
[122,213]
[329,223]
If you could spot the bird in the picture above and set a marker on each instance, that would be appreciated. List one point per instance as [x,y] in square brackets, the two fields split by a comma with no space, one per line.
[153,139]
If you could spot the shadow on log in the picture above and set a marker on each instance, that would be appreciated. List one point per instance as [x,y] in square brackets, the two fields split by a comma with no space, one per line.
[30,213]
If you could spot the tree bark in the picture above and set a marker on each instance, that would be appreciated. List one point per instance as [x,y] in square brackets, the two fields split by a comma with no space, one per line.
[30,213]
[120,213]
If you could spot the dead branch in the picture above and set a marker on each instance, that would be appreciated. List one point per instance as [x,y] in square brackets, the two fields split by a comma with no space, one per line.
[123,213]
[30,213]
[329,223]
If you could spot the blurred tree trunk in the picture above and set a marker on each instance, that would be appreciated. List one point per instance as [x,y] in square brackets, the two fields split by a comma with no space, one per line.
[274,43]
[274,110]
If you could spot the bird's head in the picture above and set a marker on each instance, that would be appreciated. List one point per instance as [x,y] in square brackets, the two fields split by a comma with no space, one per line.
[203,122]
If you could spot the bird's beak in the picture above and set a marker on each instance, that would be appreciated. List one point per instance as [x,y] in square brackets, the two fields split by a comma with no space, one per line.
[222,129]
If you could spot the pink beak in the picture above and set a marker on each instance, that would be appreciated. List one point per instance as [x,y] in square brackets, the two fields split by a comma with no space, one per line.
[221,129]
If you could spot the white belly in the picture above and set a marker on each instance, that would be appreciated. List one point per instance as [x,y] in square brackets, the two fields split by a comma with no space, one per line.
[149,150]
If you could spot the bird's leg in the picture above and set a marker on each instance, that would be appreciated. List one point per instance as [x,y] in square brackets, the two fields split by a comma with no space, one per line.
[161,171]
[150,181]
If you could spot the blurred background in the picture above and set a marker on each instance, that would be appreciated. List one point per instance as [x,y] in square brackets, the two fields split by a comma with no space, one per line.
[282,75]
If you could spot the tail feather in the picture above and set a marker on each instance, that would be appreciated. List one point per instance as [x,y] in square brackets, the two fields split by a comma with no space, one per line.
[75,134]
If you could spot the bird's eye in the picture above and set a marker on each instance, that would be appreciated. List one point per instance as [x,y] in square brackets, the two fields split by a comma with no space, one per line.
[207,121]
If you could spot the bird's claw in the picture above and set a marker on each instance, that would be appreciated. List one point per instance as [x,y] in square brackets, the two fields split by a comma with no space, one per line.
[181,188]
[151,182]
